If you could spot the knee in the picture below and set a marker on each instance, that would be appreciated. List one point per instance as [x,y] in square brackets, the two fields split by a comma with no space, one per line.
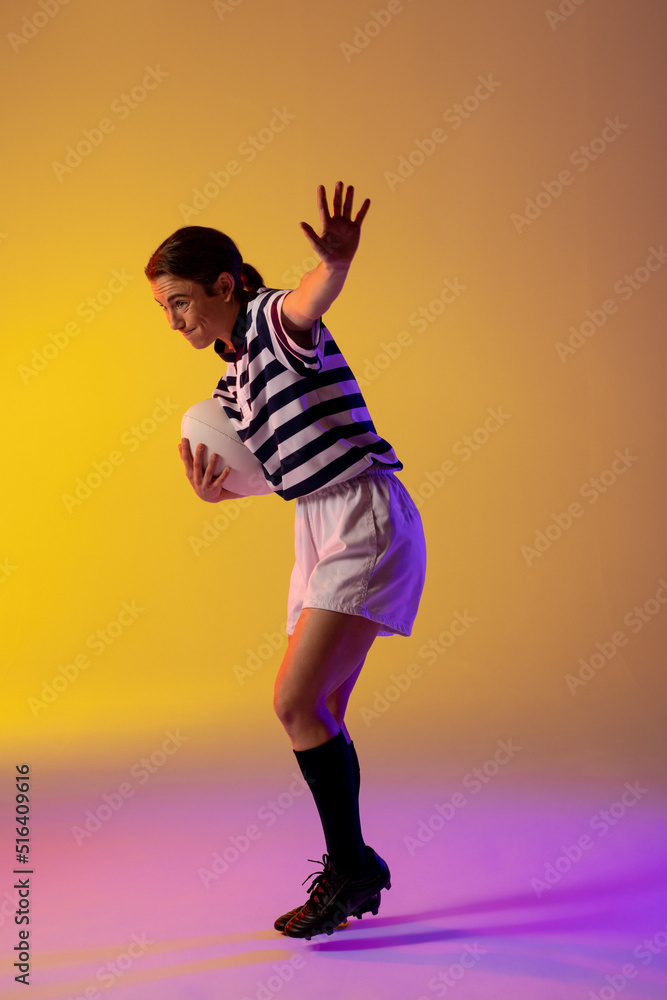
[292,708]
[288,708]
[282,708]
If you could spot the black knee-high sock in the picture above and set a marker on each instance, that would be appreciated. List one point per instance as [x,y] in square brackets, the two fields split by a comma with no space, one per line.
[355,767]
[329,772]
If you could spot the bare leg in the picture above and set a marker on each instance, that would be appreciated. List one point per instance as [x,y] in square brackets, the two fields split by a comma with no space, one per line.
[325,653]
[337,701]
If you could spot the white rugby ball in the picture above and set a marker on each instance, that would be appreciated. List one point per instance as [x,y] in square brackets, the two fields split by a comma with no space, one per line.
[207,423]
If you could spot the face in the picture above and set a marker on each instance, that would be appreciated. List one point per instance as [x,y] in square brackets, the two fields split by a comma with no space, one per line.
[201,319]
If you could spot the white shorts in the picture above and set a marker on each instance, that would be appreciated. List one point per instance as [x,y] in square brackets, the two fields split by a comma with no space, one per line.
[359,549]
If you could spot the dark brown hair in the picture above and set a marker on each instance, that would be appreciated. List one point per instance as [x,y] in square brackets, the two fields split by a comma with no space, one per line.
[200,254]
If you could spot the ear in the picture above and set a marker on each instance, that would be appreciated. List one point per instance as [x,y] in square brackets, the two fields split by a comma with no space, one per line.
[225,285]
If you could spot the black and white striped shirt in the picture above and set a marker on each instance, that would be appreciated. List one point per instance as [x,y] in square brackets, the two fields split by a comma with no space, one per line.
[299,410]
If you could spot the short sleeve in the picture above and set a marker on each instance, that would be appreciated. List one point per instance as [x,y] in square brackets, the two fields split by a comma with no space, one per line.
[272,333]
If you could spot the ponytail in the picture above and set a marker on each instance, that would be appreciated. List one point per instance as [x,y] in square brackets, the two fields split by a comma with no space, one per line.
[251,278]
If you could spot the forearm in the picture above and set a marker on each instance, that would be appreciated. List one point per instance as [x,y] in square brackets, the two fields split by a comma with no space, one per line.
[317,290]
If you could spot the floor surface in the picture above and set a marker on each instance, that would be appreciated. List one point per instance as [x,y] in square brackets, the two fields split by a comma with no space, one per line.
[514,889]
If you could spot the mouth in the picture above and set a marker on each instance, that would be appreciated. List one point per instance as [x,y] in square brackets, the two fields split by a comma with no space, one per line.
[186,333]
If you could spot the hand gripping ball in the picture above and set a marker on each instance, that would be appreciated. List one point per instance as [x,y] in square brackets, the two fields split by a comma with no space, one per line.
[207,423]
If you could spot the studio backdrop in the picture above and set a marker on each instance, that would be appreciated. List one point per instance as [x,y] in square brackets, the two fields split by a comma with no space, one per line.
[504,316]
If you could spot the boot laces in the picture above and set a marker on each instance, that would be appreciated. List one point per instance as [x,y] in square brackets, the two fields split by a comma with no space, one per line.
[316,889]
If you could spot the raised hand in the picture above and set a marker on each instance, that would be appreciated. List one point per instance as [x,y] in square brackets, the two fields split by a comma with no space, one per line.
[339,240]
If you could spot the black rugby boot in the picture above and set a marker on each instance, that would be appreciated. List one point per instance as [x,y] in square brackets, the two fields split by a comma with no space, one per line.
[336,895]
[369,906]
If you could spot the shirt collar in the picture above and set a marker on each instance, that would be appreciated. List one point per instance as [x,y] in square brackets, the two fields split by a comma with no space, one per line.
[237,337]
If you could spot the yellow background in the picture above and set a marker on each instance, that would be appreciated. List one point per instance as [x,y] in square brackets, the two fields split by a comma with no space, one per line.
[357,109]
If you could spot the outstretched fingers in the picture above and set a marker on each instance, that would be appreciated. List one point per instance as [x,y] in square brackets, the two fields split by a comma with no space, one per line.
[347,205]
[340,207]
[349,197]
[340,232]
[315,241]
[361,214]
[338,198]
[323,206]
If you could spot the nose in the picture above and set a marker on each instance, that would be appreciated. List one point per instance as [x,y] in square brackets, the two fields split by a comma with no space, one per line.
[175,322]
